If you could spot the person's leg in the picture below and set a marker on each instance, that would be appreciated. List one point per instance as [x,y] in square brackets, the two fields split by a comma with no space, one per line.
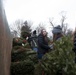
[40,55]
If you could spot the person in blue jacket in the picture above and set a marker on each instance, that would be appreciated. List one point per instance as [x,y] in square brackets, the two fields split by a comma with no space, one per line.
[42,43]
[57,33]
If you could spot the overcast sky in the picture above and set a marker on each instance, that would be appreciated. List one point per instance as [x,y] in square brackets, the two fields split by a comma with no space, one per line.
[41,10]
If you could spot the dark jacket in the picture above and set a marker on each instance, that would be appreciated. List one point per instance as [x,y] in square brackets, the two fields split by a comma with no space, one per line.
[33,40]
[42,45]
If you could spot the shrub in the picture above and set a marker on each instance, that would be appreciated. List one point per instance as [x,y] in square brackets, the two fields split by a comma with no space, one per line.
[24,55]
[22,68]
[61,60]
[17,42]
[24,34]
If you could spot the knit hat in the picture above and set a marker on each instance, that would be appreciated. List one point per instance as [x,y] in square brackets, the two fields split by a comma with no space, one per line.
[57,29]
[34,32]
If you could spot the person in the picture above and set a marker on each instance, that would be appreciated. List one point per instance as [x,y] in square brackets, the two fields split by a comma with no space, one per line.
[33,39]
[57,33]
[42,43]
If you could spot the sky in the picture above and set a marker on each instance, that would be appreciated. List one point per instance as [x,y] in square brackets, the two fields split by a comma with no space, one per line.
[39,11]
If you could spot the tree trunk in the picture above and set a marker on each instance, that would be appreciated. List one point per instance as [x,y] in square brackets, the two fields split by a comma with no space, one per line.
[5,43]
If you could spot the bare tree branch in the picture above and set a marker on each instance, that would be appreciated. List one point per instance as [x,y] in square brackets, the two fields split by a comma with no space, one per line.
[40,27]
[51,22]
[63,24]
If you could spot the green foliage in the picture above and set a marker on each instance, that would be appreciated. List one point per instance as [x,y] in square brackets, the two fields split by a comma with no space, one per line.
[38,69]
[16,47]
[22,68]
[60,61]
[24,34]
[23,58]
[17,42]
[24,55]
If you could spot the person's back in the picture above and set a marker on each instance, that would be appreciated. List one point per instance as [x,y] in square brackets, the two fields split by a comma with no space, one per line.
[57,33]
[34,41]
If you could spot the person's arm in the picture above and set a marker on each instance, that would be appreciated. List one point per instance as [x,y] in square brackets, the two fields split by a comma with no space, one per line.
[41,43]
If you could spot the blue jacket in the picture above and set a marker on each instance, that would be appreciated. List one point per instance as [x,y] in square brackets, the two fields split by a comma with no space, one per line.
[42,45]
